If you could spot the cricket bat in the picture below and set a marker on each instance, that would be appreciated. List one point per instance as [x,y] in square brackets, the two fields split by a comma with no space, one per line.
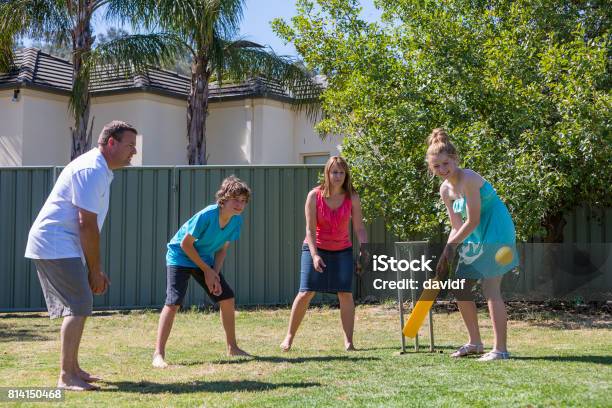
[417,316]
[428,296]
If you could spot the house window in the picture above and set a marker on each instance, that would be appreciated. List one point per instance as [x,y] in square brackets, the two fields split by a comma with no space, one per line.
[316,158]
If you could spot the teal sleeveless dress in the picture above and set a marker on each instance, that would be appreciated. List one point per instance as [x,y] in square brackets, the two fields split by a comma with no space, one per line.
[495,230]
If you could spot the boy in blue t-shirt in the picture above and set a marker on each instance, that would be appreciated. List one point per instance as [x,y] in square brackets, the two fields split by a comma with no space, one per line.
[198,249]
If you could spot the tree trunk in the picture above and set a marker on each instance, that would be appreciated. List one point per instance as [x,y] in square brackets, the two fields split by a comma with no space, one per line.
[554,224]
[197,110]
[81,44]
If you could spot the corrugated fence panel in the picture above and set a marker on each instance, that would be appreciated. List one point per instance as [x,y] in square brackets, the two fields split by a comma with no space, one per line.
[263,265]
[592,226]
[149,204]
[23,191]
[133,242]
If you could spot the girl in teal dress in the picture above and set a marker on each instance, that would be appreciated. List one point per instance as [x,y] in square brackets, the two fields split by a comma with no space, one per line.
[481,225]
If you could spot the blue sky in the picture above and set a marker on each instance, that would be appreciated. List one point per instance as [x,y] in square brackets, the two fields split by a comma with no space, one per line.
[259,13]
[257,17]
[256,22]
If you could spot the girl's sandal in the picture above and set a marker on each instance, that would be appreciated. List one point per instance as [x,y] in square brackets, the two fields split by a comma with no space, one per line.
[468,349]
[495,355]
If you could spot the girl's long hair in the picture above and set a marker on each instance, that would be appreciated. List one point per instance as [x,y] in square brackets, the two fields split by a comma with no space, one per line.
[439,142]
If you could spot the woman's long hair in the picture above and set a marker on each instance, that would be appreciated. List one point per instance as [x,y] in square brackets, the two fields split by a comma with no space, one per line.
[326,184]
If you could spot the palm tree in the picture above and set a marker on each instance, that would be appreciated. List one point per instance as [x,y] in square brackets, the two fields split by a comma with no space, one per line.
[208,29]
[70,22]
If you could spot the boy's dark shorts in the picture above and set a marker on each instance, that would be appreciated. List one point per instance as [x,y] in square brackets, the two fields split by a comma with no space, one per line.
[178,280]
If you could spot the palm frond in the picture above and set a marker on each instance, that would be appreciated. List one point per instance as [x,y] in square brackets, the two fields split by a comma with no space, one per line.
[195,21]
[230,14]
[241,60]
[182,17]
[37,19]
[135,13]
[124,55]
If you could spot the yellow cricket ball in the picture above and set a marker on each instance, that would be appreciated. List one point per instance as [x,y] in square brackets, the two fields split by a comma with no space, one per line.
[504,255]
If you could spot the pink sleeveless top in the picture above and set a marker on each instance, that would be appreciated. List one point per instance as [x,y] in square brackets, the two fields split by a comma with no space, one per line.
[333,225]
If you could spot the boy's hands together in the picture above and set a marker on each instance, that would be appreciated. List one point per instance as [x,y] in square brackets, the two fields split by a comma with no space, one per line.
[213,281]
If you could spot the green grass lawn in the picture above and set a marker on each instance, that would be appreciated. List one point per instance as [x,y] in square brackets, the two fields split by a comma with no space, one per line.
[566,361]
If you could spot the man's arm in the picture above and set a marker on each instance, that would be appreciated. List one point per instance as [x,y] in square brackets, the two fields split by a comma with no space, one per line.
[89,236]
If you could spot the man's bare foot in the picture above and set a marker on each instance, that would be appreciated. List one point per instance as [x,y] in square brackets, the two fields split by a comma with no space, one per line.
[349,347]
[237,352]
[158,361]
[73,382]
[286,344]
[85,376]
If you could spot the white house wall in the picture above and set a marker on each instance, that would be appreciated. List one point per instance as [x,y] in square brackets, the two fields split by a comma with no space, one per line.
[228,132]
[308,142]
[286,136]
[274,133]
[160,122]
[35,130]
[164,131]
[46,128]
[11,130]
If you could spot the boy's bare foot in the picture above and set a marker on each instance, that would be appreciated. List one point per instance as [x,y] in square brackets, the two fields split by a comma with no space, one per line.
[85,376]
[286,344]
[74,382]
[237,352]
[349,347]
[158,361]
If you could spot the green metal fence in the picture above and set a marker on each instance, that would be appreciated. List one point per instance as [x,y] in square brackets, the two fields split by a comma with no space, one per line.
[147,206]
[22,193]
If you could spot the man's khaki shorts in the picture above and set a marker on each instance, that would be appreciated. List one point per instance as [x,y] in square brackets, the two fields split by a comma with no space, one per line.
[65,285]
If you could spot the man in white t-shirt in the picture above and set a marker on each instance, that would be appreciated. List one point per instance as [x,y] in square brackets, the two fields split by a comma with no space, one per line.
[64,242]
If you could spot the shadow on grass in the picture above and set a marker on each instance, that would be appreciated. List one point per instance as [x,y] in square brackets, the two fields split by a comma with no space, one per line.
[605,360]
[276,359]
[38,332]
[565,323]
[24,315]
[423,348]
[200,386]
[377,349]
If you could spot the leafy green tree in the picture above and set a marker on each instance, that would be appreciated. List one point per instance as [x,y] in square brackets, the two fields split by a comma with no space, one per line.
[207,30]
[70,22]
[522,86]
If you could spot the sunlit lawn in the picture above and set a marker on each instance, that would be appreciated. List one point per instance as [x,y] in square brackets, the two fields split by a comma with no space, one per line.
[556,362]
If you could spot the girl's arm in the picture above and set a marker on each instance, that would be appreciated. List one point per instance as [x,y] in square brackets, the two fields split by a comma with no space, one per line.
[358,227]
[455,219]
[472,198]
[442,268]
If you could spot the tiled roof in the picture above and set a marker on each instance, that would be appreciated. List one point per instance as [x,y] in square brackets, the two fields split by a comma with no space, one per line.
[36,69]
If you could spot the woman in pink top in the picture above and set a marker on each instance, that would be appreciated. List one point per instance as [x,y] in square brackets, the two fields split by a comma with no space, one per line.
[327,254]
